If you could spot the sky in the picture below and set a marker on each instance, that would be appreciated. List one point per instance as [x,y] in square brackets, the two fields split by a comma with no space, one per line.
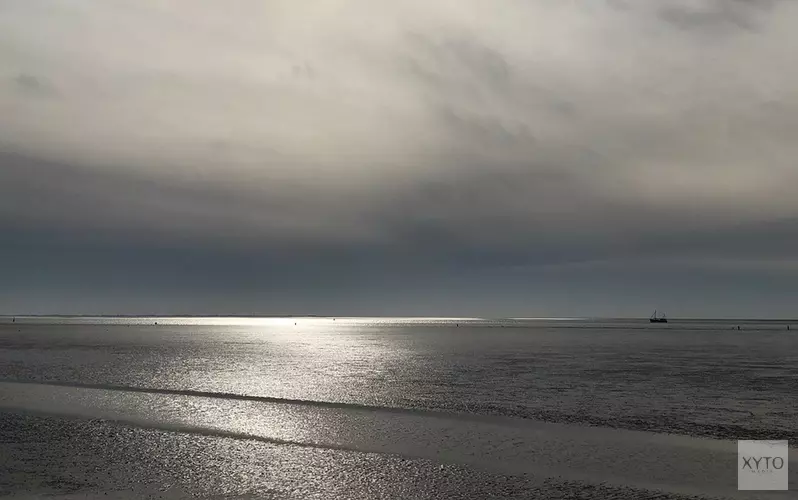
[362,157]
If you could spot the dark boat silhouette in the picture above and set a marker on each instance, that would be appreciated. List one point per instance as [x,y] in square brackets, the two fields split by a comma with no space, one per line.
[657,319]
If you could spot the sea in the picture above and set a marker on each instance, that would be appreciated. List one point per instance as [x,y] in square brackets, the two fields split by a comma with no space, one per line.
[390,408]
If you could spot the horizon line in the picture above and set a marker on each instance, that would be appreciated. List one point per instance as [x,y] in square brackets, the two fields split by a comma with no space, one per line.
[320,316]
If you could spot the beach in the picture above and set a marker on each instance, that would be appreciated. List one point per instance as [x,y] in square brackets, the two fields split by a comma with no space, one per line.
[389,407]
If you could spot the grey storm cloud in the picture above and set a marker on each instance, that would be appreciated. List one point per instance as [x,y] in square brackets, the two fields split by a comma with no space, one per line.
[510,135]
[718,16]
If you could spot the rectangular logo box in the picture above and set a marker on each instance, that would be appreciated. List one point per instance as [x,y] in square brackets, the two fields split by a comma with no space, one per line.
[762,465]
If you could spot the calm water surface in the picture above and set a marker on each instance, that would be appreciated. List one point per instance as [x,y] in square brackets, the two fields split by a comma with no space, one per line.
[700,378]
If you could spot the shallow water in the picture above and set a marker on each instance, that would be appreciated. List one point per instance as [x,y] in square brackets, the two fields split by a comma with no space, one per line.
[455,376]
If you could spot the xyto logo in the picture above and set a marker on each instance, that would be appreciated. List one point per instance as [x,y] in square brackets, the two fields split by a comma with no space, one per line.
[762,465]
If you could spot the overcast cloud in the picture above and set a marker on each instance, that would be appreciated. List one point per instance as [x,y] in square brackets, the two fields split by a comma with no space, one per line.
[465,157]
